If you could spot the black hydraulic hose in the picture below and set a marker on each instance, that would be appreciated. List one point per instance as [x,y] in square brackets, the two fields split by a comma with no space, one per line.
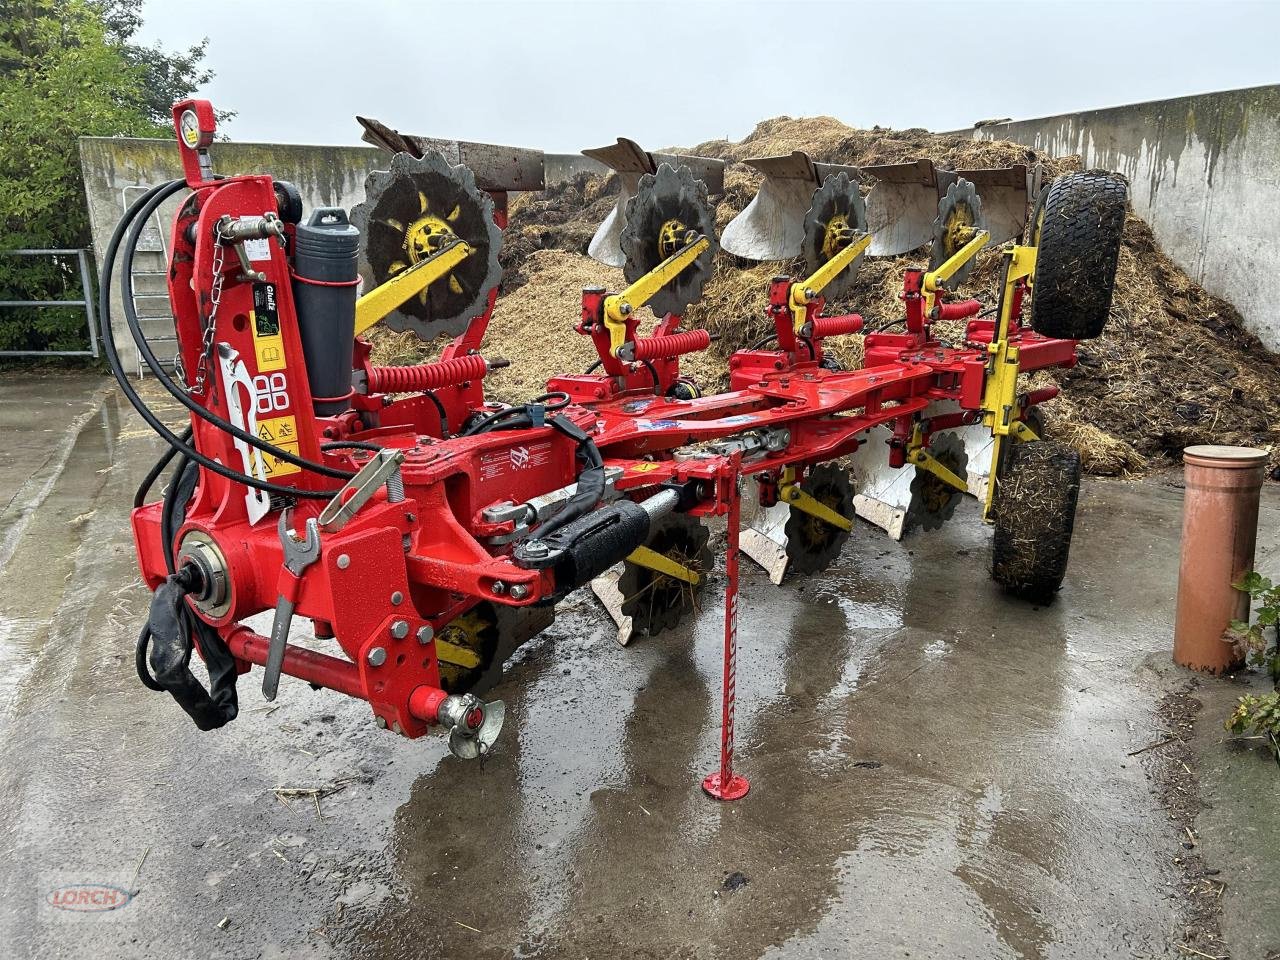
[494,420]
[122,378]
[179,394]
[140,496]
[444,416]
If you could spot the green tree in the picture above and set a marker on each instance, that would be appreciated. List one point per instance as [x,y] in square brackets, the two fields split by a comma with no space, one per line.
[68,68]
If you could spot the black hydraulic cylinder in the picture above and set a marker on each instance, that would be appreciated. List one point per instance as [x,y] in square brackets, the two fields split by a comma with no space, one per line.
[324,290]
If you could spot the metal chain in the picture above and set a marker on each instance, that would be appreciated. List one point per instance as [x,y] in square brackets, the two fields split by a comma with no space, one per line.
[206,339]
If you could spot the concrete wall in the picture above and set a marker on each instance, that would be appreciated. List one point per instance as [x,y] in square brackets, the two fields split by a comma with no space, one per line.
[1205,173]
[118,170]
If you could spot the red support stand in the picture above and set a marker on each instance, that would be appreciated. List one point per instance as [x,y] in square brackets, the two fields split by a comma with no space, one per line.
[725,784]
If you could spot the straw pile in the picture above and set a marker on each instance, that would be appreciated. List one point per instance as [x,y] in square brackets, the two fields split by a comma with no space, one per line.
[1174,367]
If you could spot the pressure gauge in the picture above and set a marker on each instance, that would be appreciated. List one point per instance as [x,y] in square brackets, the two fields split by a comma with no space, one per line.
[195,135]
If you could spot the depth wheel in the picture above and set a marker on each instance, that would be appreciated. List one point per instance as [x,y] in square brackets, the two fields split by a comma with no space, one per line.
[657,601]
[1034,511]
[1079,228]
[812,543]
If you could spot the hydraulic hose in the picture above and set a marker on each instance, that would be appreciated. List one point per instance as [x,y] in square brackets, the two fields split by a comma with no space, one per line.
[122,378]
[144,348]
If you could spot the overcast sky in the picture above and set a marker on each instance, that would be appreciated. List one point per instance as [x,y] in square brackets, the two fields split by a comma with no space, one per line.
[566,75]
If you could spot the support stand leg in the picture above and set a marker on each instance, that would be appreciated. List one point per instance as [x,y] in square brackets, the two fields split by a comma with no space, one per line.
[725,784]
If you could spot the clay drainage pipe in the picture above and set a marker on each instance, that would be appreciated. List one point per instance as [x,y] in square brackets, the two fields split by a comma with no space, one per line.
[1219,530]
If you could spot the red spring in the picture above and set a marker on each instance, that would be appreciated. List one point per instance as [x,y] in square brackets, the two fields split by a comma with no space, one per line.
[1043,395]
[671,344]
[836,326]
[957,311]
[427,376]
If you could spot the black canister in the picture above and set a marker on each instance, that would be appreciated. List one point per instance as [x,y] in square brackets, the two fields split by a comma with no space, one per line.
[324,292]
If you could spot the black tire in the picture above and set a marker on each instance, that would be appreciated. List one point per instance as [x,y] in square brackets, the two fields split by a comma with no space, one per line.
[1080,230]
[1034,511]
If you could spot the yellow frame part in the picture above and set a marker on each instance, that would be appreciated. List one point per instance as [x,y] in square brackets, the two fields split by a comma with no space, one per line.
[789,491]
[619,306]
[1000,394]
[922,458]
[935,280]
[458,656]
[385,297]
[810,288]
[660,562]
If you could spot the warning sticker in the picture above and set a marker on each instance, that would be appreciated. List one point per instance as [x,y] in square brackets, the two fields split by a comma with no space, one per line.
[497,463]
[283,433]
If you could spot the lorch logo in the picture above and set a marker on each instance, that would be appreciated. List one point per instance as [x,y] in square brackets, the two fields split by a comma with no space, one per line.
[519,457]
[88,897]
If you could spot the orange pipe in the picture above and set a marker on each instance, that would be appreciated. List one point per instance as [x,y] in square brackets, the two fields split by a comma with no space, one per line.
[1219,531]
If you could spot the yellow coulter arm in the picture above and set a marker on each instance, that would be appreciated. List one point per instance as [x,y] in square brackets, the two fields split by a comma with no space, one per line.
[1000,395]
[809,289]
[619,306]
[935,280]
[381,300]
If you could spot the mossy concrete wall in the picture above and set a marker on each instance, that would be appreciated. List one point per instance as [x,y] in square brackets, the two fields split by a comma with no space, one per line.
[118,170]
[1205,173]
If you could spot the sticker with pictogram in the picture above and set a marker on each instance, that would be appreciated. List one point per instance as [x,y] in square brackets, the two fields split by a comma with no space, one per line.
[283,433]
[271,393]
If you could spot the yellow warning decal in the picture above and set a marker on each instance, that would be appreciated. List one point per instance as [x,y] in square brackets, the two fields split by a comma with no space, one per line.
[643,467]
[283,433]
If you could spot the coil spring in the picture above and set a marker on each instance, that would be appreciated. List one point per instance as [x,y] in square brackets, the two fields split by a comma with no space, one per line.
[671,344]
[427,376]
[836,326]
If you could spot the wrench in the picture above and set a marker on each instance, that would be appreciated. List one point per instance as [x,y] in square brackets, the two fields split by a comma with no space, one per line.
[298,555]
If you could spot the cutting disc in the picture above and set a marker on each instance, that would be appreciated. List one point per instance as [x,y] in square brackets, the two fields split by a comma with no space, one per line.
[812,543]
[411,212]
[837,217]
[933,501]
[959,217]
[655,601]
[669,211]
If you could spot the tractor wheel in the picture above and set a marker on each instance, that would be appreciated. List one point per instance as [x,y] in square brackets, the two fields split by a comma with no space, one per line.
[656,601]
[1034,512]
[1079,228]
[812,543]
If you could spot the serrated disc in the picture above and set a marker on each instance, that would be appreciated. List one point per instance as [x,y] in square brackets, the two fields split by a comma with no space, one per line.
[933,501]
[654,601]
[667,203]
[959,214]
[837,217]
[812,543]
[410,212]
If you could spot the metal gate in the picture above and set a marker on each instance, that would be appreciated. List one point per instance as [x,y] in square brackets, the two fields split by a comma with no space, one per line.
[85,301]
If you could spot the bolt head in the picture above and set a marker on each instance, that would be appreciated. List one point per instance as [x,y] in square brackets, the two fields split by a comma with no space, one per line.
[425,634]
[519,591]
[343,561]
[499,588]
[399,630]
[397,598]
[377,657]
[381,722]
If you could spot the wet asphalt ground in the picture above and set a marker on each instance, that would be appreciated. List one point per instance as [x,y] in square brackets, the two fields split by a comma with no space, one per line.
[937,770]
